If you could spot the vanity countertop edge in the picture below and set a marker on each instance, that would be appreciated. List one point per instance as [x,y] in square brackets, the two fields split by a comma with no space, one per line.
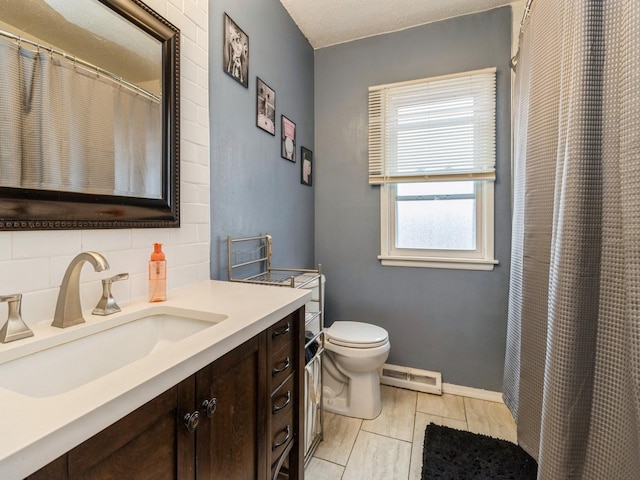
[36,431]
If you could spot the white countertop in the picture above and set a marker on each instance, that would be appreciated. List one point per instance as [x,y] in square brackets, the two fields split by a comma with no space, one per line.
[35,431]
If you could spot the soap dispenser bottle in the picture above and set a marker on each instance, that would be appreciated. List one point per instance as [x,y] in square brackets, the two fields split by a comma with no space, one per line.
[157,275]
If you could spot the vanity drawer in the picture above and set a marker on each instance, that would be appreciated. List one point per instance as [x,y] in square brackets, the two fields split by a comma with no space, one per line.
[282,364]
[282,437]
[282,333]
[282,434]
[281,412]
[282,400]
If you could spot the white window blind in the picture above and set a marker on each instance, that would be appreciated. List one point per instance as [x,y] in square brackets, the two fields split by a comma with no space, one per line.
[437,129]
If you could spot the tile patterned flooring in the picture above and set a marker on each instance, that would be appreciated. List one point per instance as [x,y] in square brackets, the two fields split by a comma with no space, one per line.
[390,447]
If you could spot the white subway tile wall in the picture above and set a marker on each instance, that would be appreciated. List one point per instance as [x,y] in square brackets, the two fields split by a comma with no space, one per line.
[33,263]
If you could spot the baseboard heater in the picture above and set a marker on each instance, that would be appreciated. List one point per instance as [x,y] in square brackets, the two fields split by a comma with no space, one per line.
[412,379]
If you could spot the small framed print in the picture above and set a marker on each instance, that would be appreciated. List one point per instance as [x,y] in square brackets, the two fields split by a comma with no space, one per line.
[306,166]
[266,107]
[236,52]
[288,129]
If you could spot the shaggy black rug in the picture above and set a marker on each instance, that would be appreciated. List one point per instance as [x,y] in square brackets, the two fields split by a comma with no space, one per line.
[456,455]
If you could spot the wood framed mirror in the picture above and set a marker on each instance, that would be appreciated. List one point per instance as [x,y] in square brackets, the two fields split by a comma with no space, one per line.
[89,121]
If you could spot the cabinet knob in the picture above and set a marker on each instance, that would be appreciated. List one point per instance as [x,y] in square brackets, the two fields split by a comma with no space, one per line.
[191,421]
[287,364]
[283,331]
[209,406]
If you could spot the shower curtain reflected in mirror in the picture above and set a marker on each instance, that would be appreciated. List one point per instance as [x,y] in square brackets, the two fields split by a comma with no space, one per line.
[70,129]
[572,367]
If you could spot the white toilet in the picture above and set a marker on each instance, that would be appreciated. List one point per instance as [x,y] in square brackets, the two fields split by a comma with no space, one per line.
[354,355]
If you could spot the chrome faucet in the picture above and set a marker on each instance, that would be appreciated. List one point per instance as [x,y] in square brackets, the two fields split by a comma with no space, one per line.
[68,308]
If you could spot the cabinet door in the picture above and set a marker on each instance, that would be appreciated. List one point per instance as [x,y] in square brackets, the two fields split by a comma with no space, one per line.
[230,443]
[150,442]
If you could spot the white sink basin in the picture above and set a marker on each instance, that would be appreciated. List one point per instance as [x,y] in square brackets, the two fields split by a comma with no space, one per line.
[73,363]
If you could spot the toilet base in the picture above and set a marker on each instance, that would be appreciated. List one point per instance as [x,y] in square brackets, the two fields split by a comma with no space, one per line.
[367,404]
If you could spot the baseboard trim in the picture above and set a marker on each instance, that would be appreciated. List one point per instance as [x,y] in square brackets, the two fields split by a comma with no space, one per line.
[471,392]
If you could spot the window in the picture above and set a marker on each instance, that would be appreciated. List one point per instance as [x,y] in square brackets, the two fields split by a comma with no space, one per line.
[432,151]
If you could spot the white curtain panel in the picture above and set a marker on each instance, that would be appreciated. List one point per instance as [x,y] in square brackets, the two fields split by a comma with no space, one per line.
[11,110]
[66,126]
[137,150]
[572,369]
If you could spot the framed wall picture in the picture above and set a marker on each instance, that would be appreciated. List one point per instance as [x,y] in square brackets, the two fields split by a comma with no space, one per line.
[306,166]
[288,129]
[236,52]
[266,107]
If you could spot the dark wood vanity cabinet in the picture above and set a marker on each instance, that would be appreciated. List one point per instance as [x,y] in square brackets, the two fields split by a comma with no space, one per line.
[249,421]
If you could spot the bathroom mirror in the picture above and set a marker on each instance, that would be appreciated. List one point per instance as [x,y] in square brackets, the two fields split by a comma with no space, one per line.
[89,115]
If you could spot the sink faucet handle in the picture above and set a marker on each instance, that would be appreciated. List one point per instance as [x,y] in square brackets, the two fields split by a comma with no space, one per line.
[116,278]
[14,328]
[107,304]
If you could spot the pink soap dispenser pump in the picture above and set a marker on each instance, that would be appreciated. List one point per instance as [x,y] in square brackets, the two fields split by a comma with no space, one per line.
[157,275]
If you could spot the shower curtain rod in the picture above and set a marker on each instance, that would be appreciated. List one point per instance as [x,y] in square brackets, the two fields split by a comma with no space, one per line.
[77,61]
[525,15]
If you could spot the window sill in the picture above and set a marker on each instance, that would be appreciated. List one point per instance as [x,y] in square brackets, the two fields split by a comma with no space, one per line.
[447,263]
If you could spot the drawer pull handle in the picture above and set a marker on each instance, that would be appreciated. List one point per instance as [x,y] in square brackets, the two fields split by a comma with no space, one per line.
[191,421]
[287,401]
[287,436]
[210,406]
[287,364]
[283,331]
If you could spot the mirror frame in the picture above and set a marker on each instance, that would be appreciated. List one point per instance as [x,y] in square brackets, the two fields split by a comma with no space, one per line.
[30,209]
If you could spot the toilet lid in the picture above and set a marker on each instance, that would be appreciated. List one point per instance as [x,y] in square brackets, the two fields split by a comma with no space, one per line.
[356,334]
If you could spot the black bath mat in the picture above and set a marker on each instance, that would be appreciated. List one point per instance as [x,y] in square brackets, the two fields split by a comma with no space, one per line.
[456,455]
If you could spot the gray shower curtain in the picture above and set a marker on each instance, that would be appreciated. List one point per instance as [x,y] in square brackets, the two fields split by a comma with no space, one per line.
[572,367]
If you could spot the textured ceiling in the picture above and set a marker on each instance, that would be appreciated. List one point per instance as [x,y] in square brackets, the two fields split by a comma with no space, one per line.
[329,22]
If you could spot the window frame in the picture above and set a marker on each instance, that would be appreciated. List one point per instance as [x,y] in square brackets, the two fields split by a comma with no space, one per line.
[384,170]
[482,258]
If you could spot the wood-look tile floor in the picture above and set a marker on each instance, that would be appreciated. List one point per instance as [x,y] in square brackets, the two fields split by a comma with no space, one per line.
[390,447]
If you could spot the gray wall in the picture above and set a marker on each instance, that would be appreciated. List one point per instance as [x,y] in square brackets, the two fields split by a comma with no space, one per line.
[253,190]
[452,321]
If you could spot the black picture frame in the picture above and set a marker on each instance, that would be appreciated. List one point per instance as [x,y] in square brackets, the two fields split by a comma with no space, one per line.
[265,107]
[235,56]
[306,166]
[288,141]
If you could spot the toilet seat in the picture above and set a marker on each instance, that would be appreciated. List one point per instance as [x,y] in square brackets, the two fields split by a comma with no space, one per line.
[356,335]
